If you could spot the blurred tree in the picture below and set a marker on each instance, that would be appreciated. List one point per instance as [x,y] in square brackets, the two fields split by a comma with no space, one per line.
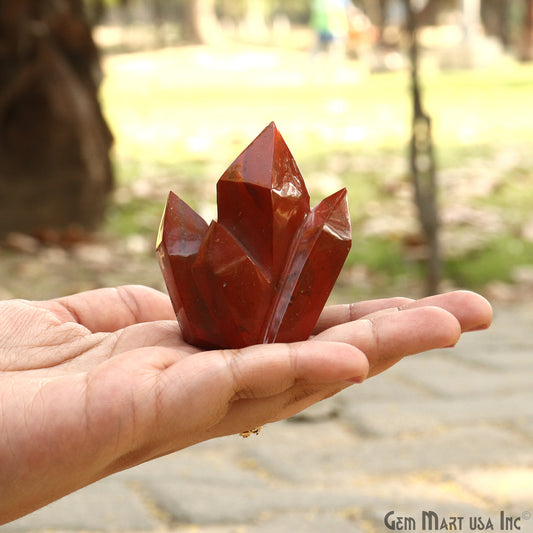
[96,11]
[422,163]
[201,23]
[496,17]
[158,15]
[379,11]
[255,18]
[428,14]
[298,11]
[526,50]
[55,171]
[233,10]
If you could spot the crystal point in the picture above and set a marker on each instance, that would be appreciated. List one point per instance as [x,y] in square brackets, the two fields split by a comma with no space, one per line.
[264,270]
[263,199]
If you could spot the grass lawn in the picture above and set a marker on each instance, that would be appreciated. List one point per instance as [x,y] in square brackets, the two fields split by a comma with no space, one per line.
[180,116]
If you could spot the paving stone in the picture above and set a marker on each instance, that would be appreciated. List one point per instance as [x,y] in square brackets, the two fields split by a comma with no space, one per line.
[208,528]
[220,461]
[524,428]
[459,447]
[505,487]
[503,358]
[508,320]
[497,347]
[305,451]
[401,418]
[191,503]
[448,377]
[197,528]
[311,522]
[385,387]
[325,410]
[105,506]
[430,486]
[306,523]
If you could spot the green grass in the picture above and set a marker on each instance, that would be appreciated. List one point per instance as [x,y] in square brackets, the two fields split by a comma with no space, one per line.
[514,194]
[134,217]
[497,261]
[187,124]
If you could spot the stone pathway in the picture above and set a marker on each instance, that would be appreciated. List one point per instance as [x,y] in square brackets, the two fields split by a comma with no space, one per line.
[441,435]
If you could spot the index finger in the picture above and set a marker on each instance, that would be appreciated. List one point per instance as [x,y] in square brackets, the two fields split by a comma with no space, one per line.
[340,314]
[471,310]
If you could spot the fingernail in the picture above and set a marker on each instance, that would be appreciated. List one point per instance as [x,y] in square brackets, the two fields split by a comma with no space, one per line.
[478,328]
[358,379]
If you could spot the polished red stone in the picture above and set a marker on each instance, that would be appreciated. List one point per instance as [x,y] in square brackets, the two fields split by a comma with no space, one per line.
[263,271]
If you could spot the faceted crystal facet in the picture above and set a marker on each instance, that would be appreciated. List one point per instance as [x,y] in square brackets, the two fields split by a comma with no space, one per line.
[264,270]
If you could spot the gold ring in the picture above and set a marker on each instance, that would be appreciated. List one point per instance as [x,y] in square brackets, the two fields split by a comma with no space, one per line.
[255,431]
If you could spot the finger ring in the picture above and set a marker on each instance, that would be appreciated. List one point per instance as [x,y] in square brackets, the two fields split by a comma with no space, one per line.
[255,431]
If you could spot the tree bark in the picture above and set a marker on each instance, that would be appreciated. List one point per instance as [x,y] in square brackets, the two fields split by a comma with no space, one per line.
[495,16]
[526,52]
[422,164]
[429,13]
[201,23]
[55,170]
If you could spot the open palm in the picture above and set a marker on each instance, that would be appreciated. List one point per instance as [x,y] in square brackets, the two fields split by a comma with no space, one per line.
[97,382]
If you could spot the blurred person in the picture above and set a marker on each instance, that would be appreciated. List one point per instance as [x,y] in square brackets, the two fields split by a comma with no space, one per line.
[330,23]
[101,381]
[362,34]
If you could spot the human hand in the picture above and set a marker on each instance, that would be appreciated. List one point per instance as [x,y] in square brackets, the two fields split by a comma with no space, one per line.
[97,382]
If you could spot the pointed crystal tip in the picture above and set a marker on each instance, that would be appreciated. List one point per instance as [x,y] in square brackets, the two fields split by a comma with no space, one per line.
[264,271]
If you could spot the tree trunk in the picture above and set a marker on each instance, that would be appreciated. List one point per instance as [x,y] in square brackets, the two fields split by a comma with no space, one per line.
[526,52]
[158,14]
[471,19]
[373,11]
[429,13]
[201,23]
[255,20]
[96,11]
[55,171]
[422,165]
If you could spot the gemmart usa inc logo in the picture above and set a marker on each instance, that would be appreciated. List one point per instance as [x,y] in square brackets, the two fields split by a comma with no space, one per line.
[432,521]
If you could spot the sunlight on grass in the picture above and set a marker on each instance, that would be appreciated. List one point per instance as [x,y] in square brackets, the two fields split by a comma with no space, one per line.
[182,115]
[159,114]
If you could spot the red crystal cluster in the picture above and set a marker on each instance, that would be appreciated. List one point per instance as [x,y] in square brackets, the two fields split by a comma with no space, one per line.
[263,272]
